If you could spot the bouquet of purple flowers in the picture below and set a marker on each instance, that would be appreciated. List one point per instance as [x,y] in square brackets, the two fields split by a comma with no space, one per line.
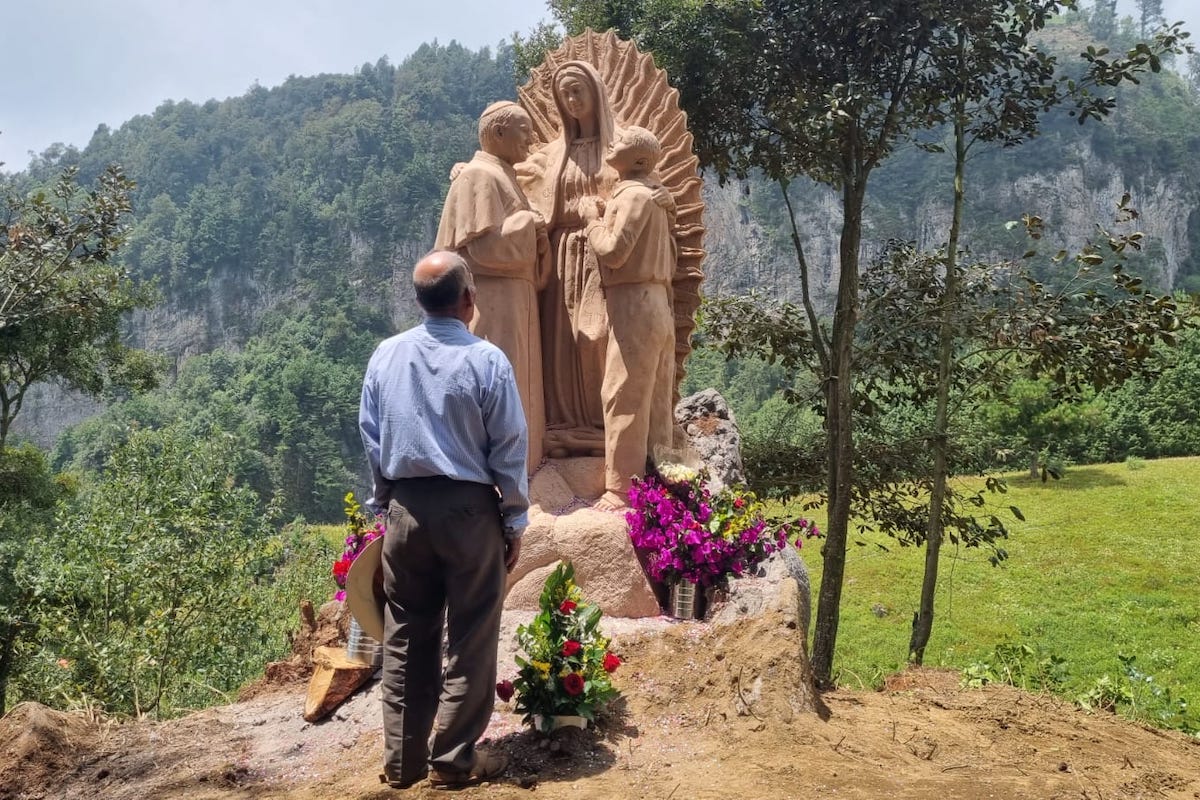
[689,533]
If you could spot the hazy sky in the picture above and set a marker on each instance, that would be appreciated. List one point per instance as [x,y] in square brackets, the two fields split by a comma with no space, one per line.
[68,65]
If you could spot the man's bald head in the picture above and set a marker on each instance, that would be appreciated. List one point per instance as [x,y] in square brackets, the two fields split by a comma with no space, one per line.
[440,279]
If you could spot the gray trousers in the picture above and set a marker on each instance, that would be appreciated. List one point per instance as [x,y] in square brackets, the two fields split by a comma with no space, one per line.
[443,557]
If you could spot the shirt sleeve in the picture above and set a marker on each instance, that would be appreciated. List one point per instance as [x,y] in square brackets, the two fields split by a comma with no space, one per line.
[368,428]
[508,441]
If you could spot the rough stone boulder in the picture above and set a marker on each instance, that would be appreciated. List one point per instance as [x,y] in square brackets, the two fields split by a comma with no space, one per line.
[780,582]
[712,433]
[748,660]
[563,525]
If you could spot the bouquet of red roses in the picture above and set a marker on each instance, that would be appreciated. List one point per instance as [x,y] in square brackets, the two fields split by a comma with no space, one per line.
[566,667]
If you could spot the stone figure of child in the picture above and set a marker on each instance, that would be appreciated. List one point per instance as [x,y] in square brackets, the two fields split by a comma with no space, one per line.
[631,236]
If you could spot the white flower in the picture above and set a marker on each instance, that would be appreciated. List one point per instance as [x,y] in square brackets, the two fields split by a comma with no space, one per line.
[677,473]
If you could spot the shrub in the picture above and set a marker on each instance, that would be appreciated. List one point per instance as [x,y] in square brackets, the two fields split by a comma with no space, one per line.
[147,600]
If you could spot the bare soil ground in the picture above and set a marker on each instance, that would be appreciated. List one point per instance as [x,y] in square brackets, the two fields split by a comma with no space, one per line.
[706,712]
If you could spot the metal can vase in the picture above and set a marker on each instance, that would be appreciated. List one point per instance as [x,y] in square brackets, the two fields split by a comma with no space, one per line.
[684,600]
[362,648]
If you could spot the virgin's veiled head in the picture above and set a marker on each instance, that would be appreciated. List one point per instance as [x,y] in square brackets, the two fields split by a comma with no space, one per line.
[581,98]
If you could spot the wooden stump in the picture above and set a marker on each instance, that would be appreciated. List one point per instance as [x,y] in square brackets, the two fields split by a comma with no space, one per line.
[334,678]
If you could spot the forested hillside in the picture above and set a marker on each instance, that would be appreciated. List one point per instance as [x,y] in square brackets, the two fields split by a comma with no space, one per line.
[275,225]
[279,228]
[300,190]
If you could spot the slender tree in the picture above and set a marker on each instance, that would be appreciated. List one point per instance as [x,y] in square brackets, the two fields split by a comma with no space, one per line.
[61,304]
[62,297]
[1150,15]
[1103,20]
[1004,86]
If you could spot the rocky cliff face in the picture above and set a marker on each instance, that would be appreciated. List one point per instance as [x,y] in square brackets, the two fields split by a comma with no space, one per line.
[225,315]
[749,245]
[749,239]
[1073,203]
[48,410]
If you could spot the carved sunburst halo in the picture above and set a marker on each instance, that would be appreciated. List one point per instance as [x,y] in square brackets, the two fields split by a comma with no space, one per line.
[639,95]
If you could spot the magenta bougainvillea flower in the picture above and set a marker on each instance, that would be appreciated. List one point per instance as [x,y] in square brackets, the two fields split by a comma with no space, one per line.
[361,529]
[687,533]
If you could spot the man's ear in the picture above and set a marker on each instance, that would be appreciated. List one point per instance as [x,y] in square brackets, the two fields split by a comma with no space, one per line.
[467,303]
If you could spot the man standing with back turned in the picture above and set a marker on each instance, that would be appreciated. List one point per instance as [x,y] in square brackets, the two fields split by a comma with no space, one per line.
[445,435]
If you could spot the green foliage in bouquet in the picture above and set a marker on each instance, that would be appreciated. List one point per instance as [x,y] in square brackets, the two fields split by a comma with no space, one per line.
[567,666]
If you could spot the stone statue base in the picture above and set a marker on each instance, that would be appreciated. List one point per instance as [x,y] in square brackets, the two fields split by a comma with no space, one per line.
[563,525]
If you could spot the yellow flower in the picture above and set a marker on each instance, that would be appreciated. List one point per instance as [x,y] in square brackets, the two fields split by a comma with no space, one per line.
[541,666]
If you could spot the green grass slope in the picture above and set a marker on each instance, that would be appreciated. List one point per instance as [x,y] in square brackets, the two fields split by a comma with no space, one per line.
[1106,565]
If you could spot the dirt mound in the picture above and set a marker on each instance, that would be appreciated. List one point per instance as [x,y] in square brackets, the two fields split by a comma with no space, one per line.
[38,741]
[326,627]
[707,712]
[756,668]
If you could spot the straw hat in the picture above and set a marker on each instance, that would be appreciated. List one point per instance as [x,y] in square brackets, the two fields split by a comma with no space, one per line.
[364,589]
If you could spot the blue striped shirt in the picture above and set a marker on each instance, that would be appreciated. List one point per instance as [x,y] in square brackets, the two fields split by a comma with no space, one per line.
[438,400]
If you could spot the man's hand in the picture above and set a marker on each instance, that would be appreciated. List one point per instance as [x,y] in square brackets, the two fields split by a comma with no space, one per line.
[512,551]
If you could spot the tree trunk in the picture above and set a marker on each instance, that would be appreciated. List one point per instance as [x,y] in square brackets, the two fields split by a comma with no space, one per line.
[923,623]
[839,394]
[1033,465]
[8,641]
[814,325]
[5,418]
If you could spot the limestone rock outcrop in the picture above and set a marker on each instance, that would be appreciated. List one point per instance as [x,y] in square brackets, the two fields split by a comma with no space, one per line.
[712,433]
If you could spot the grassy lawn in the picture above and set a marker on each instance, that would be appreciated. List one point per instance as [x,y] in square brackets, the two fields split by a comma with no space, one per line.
[333,534]
[1105,564]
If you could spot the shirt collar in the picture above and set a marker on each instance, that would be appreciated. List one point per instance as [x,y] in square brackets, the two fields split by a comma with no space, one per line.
[444,323]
